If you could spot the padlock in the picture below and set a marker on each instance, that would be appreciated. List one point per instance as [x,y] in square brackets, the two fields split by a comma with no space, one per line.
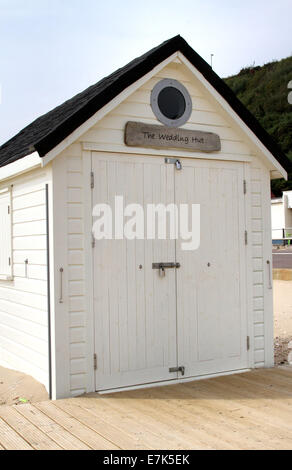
[161,271]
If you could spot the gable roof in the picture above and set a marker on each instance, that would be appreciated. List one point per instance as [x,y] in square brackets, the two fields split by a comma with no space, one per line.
[49,130]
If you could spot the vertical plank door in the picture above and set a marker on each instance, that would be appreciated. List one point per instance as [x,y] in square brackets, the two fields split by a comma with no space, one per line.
[135,309]
[211,290]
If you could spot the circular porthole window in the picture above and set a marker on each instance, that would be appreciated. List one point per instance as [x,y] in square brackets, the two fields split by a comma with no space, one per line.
[171,103]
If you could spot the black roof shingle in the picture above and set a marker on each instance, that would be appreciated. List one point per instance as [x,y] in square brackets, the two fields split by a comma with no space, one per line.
[49,130]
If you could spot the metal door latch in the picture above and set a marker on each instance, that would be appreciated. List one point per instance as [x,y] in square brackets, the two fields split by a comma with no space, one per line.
[61,270]
[163,266]
[181,369]
[174,161]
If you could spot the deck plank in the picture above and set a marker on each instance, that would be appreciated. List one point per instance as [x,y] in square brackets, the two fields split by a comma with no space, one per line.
[153,437]
[164,421]
[52,429]
[75,427]
[125,440]
[244,411]
[10,439]
[189,417]
[36,438]
[280,382]
[243,417]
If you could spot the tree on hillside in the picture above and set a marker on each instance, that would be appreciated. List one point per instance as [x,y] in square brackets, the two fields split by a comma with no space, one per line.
[264,91]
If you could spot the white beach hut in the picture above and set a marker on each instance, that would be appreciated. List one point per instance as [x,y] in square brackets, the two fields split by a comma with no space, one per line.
[83,315]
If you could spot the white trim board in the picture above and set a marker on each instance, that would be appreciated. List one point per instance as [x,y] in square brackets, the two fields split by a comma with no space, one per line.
[172,382]
[96,147]
[20,166]
[88,270]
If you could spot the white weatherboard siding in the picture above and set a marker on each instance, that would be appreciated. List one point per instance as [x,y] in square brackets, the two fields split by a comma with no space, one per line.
[23,301]
[73,235]
[76,276]
[261,252]
[69,241]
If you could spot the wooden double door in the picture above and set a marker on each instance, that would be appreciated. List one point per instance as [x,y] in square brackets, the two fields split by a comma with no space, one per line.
[188,321]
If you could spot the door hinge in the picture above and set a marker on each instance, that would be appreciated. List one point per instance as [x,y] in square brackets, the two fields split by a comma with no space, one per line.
[92,240]
[244,187]
[181,369]
[92,180]
[245,237]
[248,343]
[8,210]
[95,361]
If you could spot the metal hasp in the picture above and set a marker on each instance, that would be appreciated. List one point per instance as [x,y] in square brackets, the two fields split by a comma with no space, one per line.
[163,266]
[166,265]
[174,161]
[181,369]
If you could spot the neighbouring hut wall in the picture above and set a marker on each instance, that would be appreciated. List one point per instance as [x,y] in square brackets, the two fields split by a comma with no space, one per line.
[23,301]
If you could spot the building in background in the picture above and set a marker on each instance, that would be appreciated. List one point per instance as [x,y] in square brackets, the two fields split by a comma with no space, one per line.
[282,218]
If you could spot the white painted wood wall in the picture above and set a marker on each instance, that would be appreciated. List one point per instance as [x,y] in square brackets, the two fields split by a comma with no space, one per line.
[261,252]
[74,235]
[23,301]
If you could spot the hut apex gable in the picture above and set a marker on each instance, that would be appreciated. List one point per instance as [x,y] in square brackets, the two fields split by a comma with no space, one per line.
[208,115]
[54,132]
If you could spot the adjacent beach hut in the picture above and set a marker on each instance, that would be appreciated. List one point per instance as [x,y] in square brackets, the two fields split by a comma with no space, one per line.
[83,315]
[282,218]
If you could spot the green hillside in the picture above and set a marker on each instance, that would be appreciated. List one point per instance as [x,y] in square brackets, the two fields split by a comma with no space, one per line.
[264,91]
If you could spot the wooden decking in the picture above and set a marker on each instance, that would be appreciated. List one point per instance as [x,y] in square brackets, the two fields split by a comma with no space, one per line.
[247,411]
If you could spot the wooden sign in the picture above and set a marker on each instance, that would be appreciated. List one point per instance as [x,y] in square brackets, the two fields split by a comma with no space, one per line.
[138,134]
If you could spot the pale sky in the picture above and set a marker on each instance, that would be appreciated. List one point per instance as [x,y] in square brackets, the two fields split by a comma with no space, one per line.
[52,49]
